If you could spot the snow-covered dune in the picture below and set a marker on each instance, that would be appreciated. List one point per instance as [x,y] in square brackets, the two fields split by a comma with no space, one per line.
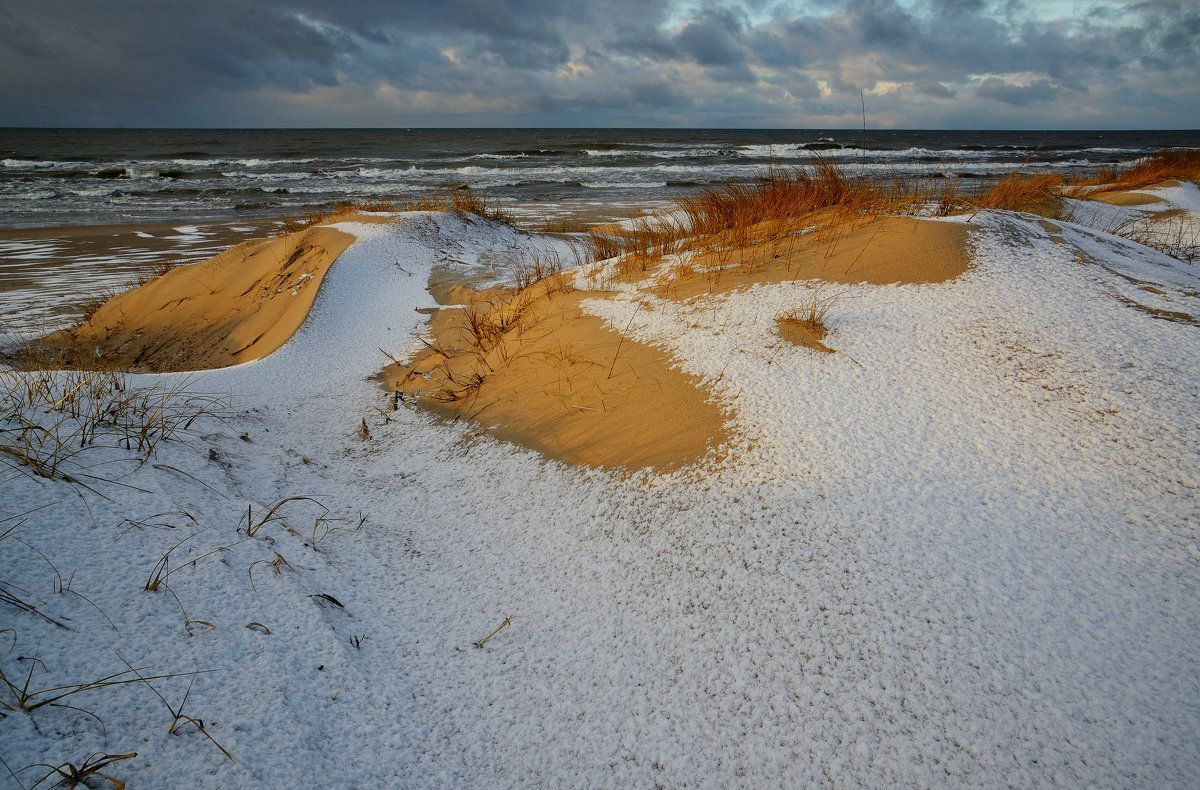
[960,552]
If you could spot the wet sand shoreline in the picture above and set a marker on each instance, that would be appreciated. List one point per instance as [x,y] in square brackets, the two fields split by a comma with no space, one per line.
[49,274]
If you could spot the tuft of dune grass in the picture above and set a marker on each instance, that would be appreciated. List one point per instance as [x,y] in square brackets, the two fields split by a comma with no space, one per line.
[1037,194]
[782,193]
[1164,166]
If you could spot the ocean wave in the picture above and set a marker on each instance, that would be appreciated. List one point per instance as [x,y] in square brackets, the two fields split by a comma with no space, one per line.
[281,175]
[1130,151]
[499,157]
[527,152]
[583,173]
[767,151]
[700,152]
[34,164]
[135,173]
[44,184]
[709,172]
[212,162]
[624,184]
[475,171]
[98,192]
[375,172]
[340,189]
[237,161]
[41,194]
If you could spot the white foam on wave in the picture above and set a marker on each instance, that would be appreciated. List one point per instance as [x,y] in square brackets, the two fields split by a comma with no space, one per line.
[40,194]
[703,152]
[498,156]
[32,164]
[624,184]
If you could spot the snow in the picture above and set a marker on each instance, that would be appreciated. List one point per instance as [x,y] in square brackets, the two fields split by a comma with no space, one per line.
[962,551]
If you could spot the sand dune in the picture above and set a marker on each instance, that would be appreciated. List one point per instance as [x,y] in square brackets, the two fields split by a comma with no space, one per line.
[235,307]
[553,378]
[550,377]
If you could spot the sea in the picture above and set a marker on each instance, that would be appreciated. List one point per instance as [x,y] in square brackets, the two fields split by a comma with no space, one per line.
[86,212]
[56,177]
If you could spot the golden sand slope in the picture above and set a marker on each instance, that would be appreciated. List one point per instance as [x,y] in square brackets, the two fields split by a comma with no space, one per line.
[877,251]
[560,382]
[530,367]
[238,306]
[1125,198]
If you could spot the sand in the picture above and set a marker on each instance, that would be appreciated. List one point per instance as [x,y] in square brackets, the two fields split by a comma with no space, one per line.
[235,307]
[537,370]
[563,383]
[567,385]
[1125,198]
[878,251]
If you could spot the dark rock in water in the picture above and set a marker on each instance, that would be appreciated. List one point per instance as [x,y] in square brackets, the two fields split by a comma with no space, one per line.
[280,191]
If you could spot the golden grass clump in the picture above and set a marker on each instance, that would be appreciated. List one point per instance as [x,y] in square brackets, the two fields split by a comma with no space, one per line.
[807,323]
[485,331]
[782,193]
[804,329]
[1181,165]
[602,246]
[1038,194]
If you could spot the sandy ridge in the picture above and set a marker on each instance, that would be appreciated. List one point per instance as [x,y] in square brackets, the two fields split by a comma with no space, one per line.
[553,379]
[235,307]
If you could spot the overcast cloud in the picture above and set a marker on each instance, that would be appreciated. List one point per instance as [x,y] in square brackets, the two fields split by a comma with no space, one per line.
[746,63]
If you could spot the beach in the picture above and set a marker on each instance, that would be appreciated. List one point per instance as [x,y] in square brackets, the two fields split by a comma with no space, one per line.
[146,197]
[853,498]
[50,275]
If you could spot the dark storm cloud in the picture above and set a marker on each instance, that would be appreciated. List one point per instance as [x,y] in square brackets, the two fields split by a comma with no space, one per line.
[935,89]
[764,62]
[712,39]
[1017,95]
[19,37]
[882,22]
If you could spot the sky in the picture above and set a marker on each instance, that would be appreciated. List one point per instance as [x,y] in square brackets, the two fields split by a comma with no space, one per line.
[919,64]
